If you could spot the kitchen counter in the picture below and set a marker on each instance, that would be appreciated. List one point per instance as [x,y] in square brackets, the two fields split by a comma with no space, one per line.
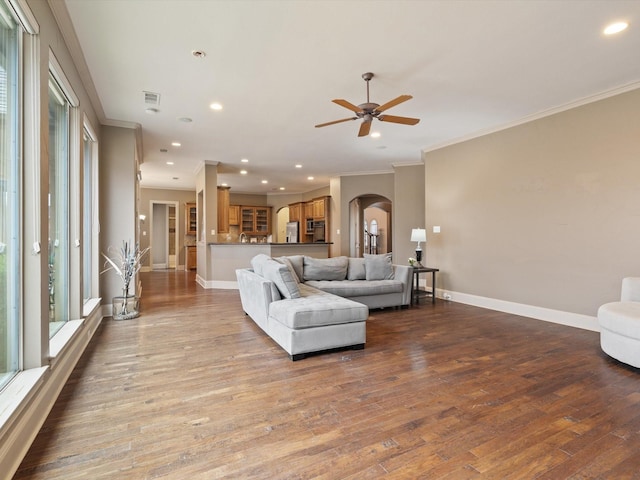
[225,257]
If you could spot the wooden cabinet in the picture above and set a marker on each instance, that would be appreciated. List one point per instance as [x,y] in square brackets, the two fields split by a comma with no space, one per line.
[255,220]
[191,219]
[190,257]
[296,212]
[223,210]
[308,210]
[320,208]
[234,215]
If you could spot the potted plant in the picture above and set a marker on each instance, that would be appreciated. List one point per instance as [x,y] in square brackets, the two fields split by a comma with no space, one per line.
[126,262]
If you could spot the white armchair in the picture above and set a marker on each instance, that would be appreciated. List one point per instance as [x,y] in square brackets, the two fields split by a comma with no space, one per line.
[620,324]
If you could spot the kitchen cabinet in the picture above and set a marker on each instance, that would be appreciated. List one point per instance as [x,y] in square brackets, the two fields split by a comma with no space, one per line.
[190,257]
[191,219]
[308,210]
[320,208]
[234,215]
[295,212]
[223,210]
[255,220]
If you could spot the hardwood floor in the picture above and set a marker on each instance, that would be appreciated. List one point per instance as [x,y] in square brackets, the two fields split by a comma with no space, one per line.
[193,389]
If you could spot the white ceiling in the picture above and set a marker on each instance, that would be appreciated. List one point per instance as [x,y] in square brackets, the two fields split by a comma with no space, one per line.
[471,66]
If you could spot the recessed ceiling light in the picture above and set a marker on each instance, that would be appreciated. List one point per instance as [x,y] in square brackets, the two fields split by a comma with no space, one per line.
[298,166]
[375,135]
[309,178]
[176,178]
[265,181]
[614,28]
[170,163]
[245,160]
[163,150]
[185,119]
[176,144]
[198,53]
[215,106]
[281,188]
[151,110]
[243,172]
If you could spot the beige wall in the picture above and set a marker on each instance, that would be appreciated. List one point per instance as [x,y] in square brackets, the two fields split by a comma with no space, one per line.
[544,214]
[163,195]
[408,211]
[118,179]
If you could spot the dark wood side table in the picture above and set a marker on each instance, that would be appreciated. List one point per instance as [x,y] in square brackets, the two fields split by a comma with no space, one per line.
[416,291]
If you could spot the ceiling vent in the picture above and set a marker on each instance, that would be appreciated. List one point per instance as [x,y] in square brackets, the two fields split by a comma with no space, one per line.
[151,98]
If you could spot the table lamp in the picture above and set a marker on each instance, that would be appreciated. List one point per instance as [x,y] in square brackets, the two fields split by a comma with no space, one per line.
[418,235]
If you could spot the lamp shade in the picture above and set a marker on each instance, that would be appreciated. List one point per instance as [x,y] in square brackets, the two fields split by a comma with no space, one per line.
[418,235]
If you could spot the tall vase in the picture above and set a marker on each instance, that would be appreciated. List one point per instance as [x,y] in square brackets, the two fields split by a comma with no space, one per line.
[125,307]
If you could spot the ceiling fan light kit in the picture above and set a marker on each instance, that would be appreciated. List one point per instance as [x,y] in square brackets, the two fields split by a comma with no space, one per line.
[368,111]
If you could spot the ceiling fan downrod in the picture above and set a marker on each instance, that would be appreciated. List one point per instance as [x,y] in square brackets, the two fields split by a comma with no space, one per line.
[367,76]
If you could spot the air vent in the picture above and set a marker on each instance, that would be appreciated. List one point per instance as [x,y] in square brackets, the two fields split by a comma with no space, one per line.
[151,98]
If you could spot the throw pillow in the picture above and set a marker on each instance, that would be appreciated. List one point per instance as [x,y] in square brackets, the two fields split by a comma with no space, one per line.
[325,268]
[356,269]
[378,267]
[286,261]
[280,274]
[297,262]
[258,261]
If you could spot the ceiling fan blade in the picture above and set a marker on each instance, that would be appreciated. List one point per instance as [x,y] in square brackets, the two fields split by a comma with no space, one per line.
[345,104]
[394,119]
[393,103]
[336,121]
[364,129]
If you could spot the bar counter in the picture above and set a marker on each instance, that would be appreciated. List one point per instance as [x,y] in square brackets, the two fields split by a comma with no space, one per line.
[226,257]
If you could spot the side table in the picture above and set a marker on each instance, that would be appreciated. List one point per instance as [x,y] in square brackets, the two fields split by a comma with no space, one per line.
[416,291]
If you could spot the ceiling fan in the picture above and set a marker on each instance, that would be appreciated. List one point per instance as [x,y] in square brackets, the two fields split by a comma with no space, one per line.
[368,111]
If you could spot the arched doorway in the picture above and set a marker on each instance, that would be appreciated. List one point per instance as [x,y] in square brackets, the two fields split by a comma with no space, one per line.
[370,225]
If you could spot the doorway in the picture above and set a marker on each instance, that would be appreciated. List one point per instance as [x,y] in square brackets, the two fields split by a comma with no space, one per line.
[370,225]
[163,239]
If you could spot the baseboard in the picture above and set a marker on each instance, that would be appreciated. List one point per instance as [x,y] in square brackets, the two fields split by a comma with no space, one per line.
[569,319]
[221,284]
[159,266]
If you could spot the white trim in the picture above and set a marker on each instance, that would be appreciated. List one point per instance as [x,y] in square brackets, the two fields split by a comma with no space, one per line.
[61,79]
[26,17]
[31,396]
[63,336]
[569,319]
[221,284]
[160,266]
[535,116]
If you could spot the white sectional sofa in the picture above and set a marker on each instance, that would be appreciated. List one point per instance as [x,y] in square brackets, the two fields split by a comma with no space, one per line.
[309,305]
[620,324]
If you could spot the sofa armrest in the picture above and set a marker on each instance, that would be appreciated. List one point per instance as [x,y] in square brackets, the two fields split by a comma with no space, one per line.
[256,293]
[404,274]
[630,289]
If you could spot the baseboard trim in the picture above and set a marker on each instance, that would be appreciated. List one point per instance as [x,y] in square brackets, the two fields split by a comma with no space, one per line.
[221,284]
[569,319]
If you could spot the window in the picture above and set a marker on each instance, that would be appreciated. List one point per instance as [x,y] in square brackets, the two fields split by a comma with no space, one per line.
[90,214]
[58,208]
[9,198]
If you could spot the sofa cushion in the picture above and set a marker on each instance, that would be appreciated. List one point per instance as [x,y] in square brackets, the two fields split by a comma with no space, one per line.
[315,308]
[357,288]
[280,274]
[378,267]
[325,268]
[356,269]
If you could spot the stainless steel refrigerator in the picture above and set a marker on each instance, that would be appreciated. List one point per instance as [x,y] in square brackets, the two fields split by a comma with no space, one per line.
[292,232]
